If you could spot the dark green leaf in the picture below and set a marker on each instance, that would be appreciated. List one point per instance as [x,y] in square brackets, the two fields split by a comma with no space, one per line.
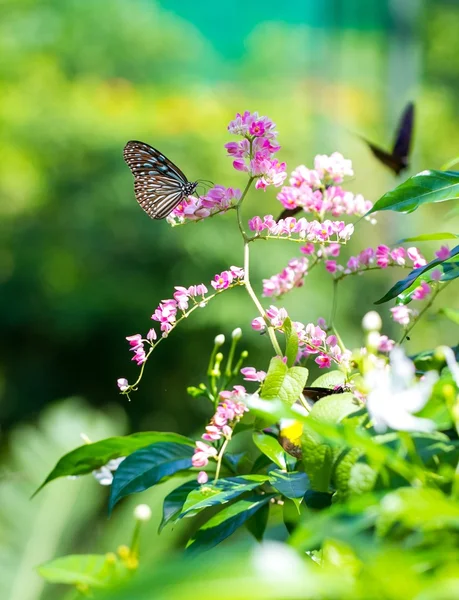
[271,448]
[221,492]
[401,286]
[144,468]
[173,502]
[430,359]
[425,187]
[291,342]
[291,485]
[258,522]
[89,457]
[317,500]
[223,524]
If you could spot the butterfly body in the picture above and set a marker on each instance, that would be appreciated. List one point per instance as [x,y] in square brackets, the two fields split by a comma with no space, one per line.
[159,185]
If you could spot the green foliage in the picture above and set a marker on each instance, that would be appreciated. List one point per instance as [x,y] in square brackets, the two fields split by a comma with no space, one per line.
[270,448]
[283,382]
[450,270]
[89,457]
[93,570]
[146,467]
[423,188]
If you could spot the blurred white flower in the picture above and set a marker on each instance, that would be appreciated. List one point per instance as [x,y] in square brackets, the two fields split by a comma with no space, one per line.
[104,475]
[395,395]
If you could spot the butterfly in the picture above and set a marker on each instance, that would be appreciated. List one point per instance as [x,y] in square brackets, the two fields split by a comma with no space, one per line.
[159,185]
[398,159]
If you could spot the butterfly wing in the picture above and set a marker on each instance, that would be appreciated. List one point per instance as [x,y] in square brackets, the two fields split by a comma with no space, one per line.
[289,212]
[395,163]
[159,184]
[402,144]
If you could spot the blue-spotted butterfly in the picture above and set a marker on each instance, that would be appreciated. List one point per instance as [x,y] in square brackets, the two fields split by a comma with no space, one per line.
[159,185]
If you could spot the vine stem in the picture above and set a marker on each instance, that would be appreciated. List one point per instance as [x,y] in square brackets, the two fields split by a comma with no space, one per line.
[261,310]
[423,311]
[219,459]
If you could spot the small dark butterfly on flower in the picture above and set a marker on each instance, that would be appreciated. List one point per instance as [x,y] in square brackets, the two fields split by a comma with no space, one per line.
[159,185]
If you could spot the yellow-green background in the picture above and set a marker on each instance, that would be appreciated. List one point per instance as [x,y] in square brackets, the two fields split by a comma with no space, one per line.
[81,266]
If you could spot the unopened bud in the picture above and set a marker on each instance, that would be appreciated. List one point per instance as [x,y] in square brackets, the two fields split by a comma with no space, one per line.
[237,333]
[372,321]
[142,512]
[373,339]
[219,340]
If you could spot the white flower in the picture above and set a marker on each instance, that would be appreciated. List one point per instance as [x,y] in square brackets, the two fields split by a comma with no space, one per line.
[395,395]
[104,475]
[450,361]
[219,340]
[142,512]
[372,321]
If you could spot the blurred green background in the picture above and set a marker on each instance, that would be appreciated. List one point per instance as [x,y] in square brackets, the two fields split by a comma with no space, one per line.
[81,266]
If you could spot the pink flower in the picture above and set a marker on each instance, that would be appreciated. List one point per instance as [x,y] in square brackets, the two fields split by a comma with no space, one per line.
[307,249]
[135,341]
[202,477]
[202,454]
[257,128]
[444,253]
[382,256]
[401,314]
[422,291]
[292,276]
[212,433]
[222,281]
[258,324]
[122,384]
[323,361]
[353,263]
[398,255]
[416,257]
[331,266]
[435,275]
[166,314]
[346,233]
[151,335]
[256,224]
[251,374]
[385,344]
[237,272]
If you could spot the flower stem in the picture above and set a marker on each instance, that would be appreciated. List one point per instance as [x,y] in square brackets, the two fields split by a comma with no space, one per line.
[261,310]
[238,210]
[219,459]
[423,311]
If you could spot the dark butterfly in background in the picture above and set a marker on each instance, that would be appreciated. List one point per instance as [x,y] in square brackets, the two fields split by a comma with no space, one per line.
[159,184]
[314,394]
[398,160]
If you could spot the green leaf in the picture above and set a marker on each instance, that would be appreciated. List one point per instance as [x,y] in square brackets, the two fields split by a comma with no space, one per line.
[144,468]
[271,448]
[427,237]
[334,408]
[89,457]
[223,524]
[331,379]
[430,359]
[404,284]
[283,383]
[291,342]
[173,502]
[291,485]
[257,523]
[221,492]
[450,313]
[93,570]
[424,188]
[317,461]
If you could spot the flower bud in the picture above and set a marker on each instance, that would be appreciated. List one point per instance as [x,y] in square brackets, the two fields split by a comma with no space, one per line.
[219,340]
[237,333]
[202,477]
[372,321]
[373,339]
[142,512]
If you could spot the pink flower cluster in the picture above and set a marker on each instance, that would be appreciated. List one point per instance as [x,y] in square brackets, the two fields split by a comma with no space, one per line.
[384,257]
[218,199]
[292,276]
[166,313]
[312,231]
[254,153]
[229,412]
[316,190]
[313,339]
[402,314]
[227,278]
